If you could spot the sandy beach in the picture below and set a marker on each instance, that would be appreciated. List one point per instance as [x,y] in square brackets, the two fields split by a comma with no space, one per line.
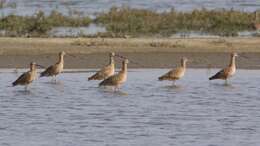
[147,52]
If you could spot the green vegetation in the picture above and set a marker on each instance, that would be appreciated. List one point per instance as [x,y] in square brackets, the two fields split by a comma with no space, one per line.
[145,22]
[6,4]
[39,24]
[124,22]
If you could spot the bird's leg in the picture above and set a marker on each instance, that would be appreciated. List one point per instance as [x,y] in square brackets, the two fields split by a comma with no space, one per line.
[173,83]
[52,78]
[116,88]
[55,79]
[226,82]
[26,88]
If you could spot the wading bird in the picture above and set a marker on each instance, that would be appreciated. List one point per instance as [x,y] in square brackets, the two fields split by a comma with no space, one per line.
[55,69]
[175,74]
[256,23]
[27,77]
[118,79]
[227,72]
[106,71]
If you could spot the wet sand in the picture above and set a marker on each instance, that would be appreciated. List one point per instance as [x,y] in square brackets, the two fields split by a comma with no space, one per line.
[17,53]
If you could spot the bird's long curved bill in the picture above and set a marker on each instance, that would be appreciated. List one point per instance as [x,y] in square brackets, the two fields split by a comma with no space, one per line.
[71,55]
[41,66]
[131,61]
[120,56]
[243,56]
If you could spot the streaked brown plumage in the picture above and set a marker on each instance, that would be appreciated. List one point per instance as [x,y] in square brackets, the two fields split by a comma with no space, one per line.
[106,71]
[27,77]
[56,68]
[227,72]
[117,79]
[175,74]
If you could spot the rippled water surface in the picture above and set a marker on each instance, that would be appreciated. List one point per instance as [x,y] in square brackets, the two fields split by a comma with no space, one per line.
[75,112]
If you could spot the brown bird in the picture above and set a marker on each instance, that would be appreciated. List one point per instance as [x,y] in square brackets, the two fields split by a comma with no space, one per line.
[55,69]
[27,77]
[227,72]
[175,74]
[106,71]
[256,23]
[118,79]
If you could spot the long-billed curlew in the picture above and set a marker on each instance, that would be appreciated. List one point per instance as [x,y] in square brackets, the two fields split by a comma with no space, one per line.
[227,72]
[117,79]
[27,77]
[55,69]
[175,74]
[256,23]
[106,71]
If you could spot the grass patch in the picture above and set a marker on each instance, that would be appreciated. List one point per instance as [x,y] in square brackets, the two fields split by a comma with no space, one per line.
[138,22]
[127,22]
[39,24]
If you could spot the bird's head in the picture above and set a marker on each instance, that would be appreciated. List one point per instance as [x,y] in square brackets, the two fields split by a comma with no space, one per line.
[112,54]
[126,61]
[234,54]
[33,64]
[62,53]
[184,60]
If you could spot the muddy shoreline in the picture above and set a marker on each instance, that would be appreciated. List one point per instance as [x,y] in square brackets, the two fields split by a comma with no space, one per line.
[147,52]
[141,60]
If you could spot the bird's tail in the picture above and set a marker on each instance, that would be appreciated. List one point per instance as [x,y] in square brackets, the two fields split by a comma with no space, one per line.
[217,76]
[14,83]
[94,77]
[42,74]
[91,78]
[102,83]
[162,78]
[214,77]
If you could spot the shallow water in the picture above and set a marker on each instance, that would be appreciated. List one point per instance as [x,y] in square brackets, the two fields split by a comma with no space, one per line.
[29,7]
[76,112]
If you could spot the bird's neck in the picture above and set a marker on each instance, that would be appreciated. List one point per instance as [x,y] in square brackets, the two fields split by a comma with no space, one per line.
[124,67]
[183,64]
[111,60]
[232,61]
[61,60]
[32,68]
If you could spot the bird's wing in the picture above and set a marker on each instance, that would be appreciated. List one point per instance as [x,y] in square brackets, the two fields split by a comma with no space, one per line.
[22,79]
[47,72]
[227,71]
[171,75]
[101,74]
[219,75]
[176,72]
[112,80]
